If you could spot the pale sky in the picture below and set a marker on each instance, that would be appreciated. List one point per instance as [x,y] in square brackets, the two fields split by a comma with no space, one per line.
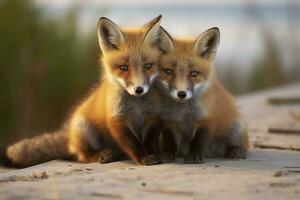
[239,34]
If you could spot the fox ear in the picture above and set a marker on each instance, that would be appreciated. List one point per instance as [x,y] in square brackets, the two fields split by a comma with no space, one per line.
[166,43]
[110,35]
[152,31]
[207,43]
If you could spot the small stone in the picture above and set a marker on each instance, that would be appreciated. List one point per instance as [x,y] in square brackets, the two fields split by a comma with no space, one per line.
[278,174]
[77,170]
[217,166]
[40,175]
[143,184]
[44,175]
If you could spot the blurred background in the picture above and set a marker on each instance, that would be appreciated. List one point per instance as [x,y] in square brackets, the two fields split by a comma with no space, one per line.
[49,50]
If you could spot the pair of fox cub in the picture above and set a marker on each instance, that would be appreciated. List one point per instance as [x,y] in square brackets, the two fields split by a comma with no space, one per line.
[159,98]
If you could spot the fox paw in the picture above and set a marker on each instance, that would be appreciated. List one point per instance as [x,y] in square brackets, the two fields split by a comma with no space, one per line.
[151,159]
[167,157]
[193,159]
[236,153]
[105,156]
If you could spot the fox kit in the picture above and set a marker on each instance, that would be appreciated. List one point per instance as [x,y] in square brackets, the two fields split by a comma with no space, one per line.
[121,112]
[123,107]
[200,117]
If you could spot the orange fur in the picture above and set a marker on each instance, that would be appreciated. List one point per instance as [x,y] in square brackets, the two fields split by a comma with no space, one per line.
[206,109]
[115,117]
[106,108]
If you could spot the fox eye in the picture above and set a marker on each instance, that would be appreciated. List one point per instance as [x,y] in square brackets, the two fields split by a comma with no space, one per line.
[168,72]
[123,68]
[194,73]
[148,66]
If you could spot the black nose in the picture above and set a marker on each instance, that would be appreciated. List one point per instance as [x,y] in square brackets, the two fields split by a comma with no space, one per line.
[181,94]
[139,90]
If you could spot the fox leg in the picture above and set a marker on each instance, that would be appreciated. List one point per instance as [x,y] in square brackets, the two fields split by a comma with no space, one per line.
[151,141]
[237,141]
[125,137]
[199,145]
[150,135]
[170,143]
[86,144]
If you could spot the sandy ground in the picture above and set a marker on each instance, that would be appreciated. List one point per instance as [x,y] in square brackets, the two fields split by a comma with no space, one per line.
[267,173]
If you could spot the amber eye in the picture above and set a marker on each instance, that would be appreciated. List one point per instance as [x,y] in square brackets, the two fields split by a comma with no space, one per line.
[124,68]
[148,66]
[168,72]
[194,73]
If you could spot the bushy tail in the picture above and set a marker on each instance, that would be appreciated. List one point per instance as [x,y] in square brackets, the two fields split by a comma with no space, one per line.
[28,152]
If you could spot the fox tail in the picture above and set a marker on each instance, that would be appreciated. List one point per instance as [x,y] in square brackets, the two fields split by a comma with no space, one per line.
[40,149]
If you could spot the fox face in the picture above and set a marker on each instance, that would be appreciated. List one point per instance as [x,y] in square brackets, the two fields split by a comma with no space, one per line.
[186,65]
[130,57]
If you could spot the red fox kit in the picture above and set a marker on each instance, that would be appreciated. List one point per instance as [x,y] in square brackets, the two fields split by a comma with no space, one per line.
[200,117]
[122,111]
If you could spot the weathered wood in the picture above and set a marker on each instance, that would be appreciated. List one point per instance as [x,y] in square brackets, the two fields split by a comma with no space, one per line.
[272,126]
[253,178]
[285,129]
[295,116]
[273,146]
[265,174]
[283,100]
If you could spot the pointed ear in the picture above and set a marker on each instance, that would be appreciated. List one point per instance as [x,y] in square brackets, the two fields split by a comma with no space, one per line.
[152,31]
[166,43]
[110,35]
[207,43]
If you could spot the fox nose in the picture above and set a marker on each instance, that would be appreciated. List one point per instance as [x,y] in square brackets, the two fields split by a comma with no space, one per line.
[139,90]
[181,94]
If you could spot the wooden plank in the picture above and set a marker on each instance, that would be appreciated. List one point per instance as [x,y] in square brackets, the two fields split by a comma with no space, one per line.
[260,137]
[283,100]
[291,128]
[274,146]
[295,116]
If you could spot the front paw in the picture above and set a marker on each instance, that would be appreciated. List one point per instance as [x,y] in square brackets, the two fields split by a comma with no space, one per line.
[105,156]
[151,159]
[167,157]
[236,153]
[193,159]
